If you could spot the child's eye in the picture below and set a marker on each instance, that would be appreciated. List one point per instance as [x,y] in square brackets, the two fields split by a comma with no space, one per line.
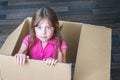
[48,27]
[39,27]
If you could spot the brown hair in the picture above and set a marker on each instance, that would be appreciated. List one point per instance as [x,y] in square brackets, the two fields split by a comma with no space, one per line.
[48,13]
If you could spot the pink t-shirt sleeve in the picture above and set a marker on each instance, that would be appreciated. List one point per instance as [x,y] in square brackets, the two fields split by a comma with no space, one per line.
[63,45]
[26,39]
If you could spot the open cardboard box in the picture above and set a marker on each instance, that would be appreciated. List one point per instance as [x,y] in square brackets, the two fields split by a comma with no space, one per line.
[89,47]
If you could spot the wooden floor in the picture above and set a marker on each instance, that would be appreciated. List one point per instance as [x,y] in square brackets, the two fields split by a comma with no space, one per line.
[98,12]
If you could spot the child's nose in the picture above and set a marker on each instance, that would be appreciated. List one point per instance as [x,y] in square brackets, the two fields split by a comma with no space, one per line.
[44,31]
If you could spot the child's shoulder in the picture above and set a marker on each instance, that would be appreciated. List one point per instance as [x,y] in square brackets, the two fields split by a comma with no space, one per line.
[27,37]
[62,40]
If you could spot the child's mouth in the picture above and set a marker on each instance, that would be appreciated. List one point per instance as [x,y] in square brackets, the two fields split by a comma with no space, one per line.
[43,37]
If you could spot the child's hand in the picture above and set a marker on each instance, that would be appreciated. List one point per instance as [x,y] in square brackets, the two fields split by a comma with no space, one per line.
[20,59]
[51,61]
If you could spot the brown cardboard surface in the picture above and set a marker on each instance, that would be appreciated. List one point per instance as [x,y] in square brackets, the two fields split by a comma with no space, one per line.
[33,70]
[71,33]
[94,53]
[13,42]
[88,45]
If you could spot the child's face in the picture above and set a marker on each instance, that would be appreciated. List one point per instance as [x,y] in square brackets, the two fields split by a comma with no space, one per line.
[44,30]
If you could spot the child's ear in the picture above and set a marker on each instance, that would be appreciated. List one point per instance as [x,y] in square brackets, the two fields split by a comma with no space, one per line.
[61,26]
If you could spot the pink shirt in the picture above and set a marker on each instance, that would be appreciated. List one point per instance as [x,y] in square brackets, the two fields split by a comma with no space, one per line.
[38,53]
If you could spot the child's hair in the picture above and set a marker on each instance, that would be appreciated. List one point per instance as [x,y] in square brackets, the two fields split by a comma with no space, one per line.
[48,13]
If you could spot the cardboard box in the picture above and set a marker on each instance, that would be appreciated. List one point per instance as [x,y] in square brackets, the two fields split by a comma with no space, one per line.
[89,47]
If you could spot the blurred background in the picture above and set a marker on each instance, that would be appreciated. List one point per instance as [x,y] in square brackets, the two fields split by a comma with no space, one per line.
[97,12]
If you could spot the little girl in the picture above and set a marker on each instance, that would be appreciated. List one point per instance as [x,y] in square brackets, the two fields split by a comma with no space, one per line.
[44,41]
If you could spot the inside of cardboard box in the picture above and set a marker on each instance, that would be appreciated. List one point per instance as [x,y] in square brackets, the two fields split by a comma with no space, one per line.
[71,34]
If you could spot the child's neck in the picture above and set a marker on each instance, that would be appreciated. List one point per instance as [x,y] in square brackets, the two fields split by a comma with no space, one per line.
[44,44]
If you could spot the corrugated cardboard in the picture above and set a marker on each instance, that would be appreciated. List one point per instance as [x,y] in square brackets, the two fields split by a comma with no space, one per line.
[88,45]
[13,42]
[71,33]
[33,70]
[94,53]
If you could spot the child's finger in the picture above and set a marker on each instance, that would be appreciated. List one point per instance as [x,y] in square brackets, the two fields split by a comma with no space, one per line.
[52,62]
[17,59]
[55,62]
[49,62]
[23,59]
[20,60]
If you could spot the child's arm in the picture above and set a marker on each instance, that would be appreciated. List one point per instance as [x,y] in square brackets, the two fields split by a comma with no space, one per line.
[23,49]
[62,56]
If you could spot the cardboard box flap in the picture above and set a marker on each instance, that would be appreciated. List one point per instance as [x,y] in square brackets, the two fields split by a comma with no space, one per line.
[33,70]
[94,53]
[71,33]
[13,41]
